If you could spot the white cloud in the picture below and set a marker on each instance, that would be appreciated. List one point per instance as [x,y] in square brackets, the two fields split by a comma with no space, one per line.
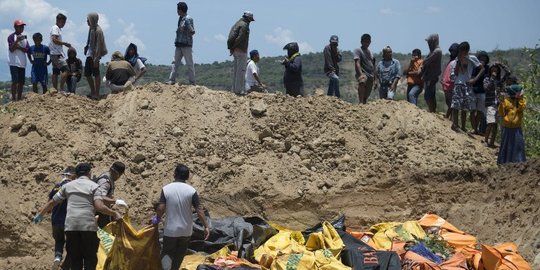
[283,36]
[386,11]
[103,22]
[129,36]
[220,37]
[433,10]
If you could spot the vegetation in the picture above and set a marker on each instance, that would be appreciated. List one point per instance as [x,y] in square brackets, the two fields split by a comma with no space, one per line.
[531,81]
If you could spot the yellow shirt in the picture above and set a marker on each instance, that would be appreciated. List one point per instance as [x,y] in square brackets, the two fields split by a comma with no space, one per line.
[511,110]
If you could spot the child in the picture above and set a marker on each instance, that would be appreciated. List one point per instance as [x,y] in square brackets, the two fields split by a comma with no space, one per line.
[511,110]
[493,85]
[74,70]
[18,48]
[38,57]
[414,81]
[137,62]
[461,75]
[253,80]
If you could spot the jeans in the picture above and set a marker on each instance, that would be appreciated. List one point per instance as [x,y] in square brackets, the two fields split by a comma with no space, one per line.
[333,85]
[173,252]
[71,83]
[239,73]
[82,247]
[413,91]
[179,53]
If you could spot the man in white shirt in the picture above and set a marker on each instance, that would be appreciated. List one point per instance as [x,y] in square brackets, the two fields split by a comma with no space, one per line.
[253,80]
[177,201]
[57,52]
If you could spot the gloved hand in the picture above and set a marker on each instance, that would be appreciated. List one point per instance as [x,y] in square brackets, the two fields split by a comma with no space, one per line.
[155,220]
[121,203]
[37,218]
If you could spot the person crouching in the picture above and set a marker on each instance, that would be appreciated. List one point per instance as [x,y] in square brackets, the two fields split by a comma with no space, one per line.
[119,74]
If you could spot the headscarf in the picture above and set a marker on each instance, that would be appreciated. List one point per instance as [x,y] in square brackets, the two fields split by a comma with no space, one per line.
[133,58]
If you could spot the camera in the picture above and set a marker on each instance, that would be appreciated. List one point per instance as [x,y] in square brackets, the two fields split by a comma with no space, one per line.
[22,37]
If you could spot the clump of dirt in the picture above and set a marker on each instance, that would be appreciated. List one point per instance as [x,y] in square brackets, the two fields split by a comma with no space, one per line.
[294,161]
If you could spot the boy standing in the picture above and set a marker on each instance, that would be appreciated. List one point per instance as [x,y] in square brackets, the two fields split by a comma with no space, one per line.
[95,49]
[364,64]
[38,57]
[57,52]
[183,44]
[18,47]
[253,81]
[74,70]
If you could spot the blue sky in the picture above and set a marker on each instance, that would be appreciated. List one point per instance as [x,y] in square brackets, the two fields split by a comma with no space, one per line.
[402,24]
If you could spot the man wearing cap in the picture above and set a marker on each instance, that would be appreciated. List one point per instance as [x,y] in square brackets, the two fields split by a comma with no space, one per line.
[18,47]
[332,57]
[105,192]
[80,225]
[183,44]
[57,52]
[58,218]
[253,79]
[237,43]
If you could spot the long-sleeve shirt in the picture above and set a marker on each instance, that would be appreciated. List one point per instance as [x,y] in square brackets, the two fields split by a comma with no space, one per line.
[331,60]
[511,110]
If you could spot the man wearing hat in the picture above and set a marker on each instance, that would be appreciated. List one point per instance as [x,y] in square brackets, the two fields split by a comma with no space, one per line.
[332,57]
[237,43]
[253,79]
[58,218]
[18,47]
[80,225]
[105,192]
[183,44]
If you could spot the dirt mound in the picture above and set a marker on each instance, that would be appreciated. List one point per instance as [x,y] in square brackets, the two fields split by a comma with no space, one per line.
[293,161]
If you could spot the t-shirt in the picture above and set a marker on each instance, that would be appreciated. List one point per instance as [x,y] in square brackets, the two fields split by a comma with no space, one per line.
[415,65]
[388,71]
[366,61]
[463,77]
[17,58]
[55,48]
[40,59]
[250,79]
[139,65]
[179,198]
[80,194]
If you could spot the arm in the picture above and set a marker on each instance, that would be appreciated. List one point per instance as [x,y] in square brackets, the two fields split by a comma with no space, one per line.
[522,103]
[328,59]
[30,58]
[431,57]
[295,65]
[49,206]
[358,68]
[477,77]
[191,26]
[200,213]
[102,208]
[397,77]
[56,40]
[258,79]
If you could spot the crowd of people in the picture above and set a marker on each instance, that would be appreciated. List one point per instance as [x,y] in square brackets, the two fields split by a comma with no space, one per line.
[75,200]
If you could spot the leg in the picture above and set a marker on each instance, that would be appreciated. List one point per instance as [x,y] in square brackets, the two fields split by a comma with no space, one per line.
[54,79]
[168,252]
[330,91]
[413,93]
[34,87]
[383,92]
[177,62]
[487,134]
[63,77]
[188,55]
[74,249]
[430,95]
[463,120]
[361,92]
[336,85]
[44,87]
[97,84]
[59,241]
[448,100]
[455,114]
[367,89]
[493,134]
[89,250]
[181,249]
[88,74]
[240,64]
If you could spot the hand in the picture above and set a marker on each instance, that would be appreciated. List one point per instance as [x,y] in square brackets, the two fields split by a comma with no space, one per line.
[121,203]
[206,233]
[117,216]
[37,218]
[155,220]
[471,82]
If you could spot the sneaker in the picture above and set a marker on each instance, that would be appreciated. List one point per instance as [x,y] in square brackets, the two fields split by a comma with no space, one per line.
[170,82]
[56,263]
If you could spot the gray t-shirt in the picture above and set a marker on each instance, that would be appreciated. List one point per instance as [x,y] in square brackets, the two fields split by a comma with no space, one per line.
[179,198]
[366,61]
[80,208]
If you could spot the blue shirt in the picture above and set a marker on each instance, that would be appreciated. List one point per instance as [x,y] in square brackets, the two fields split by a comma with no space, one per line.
[58,216]
[388,71]
[40,58]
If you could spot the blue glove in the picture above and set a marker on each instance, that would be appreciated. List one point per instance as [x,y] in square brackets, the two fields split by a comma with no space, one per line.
[37,218]
[155,220]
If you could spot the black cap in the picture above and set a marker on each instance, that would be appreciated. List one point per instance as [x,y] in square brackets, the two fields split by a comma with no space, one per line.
[118,167]
[83,169]
[70,170]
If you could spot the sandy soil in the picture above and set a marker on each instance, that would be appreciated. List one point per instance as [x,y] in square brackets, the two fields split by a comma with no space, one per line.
[292,161]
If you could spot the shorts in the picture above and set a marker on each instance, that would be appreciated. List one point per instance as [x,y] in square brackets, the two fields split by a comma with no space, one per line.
[59,64]
[480,103]
[17,74]
[462,98]
[491,115]
[89,69]
[430,90]
[39,75]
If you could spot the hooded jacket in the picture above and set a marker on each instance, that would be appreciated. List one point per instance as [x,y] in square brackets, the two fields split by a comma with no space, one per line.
[292,78]
[432,63]
[74,63]
[96,39]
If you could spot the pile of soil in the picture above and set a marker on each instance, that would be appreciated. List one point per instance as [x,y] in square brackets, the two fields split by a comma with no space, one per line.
[294,161]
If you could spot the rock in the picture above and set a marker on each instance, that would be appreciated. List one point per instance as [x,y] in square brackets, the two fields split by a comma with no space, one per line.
[295,149]
[138,158]
[238,160]
[200,152]
[144,104]
[346,158]
[305,154]
[116,142]
[306,162]
[43,132]
[17,123]
[401,135]
[177,132]
[40,176]
[160,158]
[146,174]
[137,168]
[319,92]
[258,108]
[267,132]
[25,129]
[214,163]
